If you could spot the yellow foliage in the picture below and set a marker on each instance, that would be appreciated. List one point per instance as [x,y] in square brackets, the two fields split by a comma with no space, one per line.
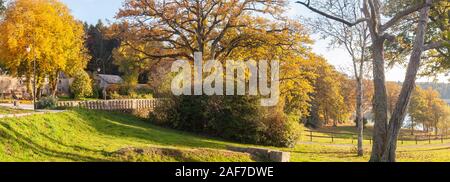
[56,39]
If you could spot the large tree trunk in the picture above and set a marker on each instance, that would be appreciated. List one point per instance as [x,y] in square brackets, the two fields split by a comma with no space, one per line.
[399,114]
[379,101]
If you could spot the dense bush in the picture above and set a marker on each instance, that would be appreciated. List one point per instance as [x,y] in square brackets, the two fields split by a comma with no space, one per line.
[238,118]
[124,92]
[47,103]
[282,130]
[143,90]
[131,95]
[82,85]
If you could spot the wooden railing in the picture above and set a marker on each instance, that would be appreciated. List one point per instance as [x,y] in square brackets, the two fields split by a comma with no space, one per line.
[125,104]
[332,136]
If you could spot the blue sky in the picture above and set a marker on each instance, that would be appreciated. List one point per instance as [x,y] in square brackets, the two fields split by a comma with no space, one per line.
[93,10]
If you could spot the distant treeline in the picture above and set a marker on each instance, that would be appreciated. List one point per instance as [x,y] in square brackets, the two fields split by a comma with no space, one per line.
[442,88]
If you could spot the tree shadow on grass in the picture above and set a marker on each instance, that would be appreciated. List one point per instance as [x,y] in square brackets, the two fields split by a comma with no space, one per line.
[74,147]
[127,126]
[28,143]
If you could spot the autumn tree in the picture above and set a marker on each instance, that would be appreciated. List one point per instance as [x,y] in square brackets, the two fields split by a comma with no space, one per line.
[213,27]
[428,109]
[348,92]
[436,108]
[386,131]
[393,91]
[418,108]
[55,38]
[152,31]
[444,125]
[327,101]
[289,46]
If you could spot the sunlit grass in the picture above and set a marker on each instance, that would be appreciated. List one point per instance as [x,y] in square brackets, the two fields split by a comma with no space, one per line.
[81,135]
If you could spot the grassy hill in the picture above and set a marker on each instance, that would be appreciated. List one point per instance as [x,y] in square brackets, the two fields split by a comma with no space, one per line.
[81,135]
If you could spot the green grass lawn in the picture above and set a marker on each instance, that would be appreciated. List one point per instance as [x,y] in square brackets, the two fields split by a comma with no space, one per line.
[7,110]
[81,135]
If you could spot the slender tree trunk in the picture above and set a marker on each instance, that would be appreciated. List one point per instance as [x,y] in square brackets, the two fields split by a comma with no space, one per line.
[54,83]
[436,127]
[359,115]
[379,101]
[360,96]
[29,86]
[399,113]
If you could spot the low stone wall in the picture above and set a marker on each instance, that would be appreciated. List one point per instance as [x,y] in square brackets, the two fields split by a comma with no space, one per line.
[125,104]
[271,155]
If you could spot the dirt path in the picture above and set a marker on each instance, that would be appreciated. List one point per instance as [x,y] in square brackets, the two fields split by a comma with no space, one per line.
[21,106]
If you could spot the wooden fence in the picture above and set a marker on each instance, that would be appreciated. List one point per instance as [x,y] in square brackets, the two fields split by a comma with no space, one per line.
[354,137]
[125,104]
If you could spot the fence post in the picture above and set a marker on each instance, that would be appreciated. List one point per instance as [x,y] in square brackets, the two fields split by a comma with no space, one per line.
[352,139]
[310,135]
[332,138]
[442,138]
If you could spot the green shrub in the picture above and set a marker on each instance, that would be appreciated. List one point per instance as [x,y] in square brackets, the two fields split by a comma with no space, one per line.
[82,85]
[47,103]
[283,131]
[144,90]
[235,117]
[137,95]
[238,118]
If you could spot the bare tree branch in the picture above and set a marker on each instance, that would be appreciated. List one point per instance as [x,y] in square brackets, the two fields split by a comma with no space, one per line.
[350,24]
[435,45]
